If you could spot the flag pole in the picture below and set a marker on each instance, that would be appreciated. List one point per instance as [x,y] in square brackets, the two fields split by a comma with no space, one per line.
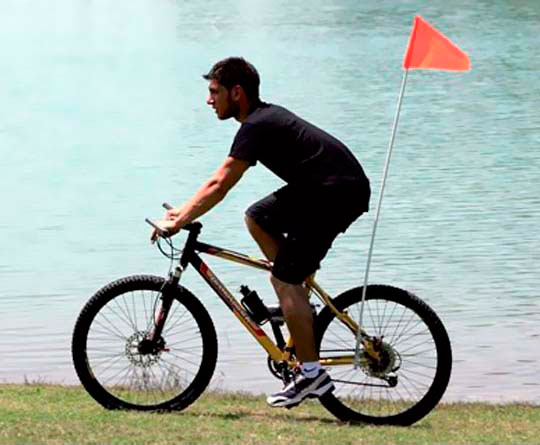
[377,214]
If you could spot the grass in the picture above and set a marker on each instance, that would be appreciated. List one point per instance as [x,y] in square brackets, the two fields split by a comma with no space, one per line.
[49,414]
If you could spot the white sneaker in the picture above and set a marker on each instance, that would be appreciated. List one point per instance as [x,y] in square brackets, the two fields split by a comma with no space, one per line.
[301,388]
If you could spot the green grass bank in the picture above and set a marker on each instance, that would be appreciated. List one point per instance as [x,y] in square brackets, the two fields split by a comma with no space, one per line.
[50,414]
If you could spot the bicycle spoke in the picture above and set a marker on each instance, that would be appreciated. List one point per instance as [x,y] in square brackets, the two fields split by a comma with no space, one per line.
[184,360]
[171,326]
[110,326]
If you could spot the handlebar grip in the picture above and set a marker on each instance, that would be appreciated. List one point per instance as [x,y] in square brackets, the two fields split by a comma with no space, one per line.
[162,232]
[167,206]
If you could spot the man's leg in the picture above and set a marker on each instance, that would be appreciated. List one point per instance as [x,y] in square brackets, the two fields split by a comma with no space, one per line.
[294,303]
[313,380]
[293,298]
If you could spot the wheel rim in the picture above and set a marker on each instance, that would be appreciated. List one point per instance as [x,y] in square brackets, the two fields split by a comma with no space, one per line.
[130,372]
[404,376]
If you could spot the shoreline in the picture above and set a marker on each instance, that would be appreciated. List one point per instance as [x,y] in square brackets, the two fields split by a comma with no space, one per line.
[249,395]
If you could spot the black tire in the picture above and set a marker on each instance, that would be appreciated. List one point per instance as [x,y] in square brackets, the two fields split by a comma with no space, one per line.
[106,355]
[417,344]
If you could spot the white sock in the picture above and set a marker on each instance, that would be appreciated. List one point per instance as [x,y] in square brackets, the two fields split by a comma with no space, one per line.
[311,369]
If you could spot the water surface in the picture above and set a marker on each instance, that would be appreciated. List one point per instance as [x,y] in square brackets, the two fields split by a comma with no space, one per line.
[104,117]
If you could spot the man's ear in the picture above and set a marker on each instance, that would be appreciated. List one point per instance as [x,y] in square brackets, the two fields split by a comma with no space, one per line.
[236,92]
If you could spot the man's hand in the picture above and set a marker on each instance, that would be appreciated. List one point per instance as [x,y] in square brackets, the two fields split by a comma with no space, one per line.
[169,223]
[173,213]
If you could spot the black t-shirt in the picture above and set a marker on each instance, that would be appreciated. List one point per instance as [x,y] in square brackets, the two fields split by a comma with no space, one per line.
[307,158]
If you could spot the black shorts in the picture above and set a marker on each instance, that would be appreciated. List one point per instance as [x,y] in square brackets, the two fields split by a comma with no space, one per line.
[309,223]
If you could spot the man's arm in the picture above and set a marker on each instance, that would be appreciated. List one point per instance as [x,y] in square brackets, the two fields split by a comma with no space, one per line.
[207,196]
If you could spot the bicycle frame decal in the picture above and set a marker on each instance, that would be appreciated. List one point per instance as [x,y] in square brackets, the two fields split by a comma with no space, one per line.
[236,308]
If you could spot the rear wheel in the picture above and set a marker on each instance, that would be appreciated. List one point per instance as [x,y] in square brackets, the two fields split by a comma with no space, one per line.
[121,368]
[414,365]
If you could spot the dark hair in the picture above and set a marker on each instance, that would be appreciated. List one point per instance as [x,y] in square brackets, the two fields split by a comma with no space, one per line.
[236,71]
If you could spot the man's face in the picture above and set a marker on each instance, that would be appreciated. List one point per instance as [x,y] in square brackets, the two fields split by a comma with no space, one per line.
[219,98]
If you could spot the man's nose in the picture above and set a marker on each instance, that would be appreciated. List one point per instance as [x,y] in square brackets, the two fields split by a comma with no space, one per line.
[209,100]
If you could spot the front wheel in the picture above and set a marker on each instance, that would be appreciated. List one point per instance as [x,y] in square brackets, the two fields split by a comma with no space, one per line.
[111,352]
[414,357]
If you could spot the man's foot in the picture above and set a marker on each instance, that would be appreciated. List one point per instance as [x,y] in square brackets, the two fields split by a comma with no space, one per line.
[301,388]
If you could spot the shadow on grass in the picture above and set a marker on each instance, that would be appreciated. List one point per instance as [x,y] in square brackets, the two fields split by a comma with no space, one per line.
[302,418]
[280,417]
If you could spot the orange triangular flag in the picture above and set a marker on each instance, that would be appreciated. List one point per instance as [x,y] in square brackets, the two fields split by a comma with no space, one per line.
[428,49]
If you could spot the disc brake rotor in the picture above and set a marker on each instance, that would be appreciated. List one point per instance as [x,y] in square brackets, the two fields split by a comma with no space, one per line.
[134,354]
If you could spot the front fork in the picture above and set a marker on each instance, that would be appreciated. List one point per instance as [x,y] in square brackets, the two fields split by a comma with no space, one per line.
[167,296]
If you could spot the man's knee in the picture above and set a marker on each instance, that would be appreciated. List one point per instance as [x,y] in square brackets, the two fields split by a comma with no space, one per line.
[278,284]
[255,230]
[251,224]
[293,299]
[283,287]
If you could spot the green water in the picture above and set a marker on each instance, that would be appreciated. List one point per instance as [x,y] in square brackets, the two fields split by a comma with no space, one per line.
[103,117]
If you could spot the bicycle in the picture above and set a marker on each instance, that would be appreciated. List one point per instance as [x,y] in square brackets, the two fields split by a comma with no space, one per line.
[147,343]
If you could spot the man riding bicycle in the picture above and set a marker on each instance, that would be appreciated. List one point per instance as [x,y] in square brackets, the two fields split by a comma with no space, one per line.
[326,190]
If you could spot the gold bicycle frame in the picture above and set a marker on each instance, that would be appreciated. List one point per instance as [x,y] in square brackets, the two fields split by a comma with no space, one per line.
[238,310]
